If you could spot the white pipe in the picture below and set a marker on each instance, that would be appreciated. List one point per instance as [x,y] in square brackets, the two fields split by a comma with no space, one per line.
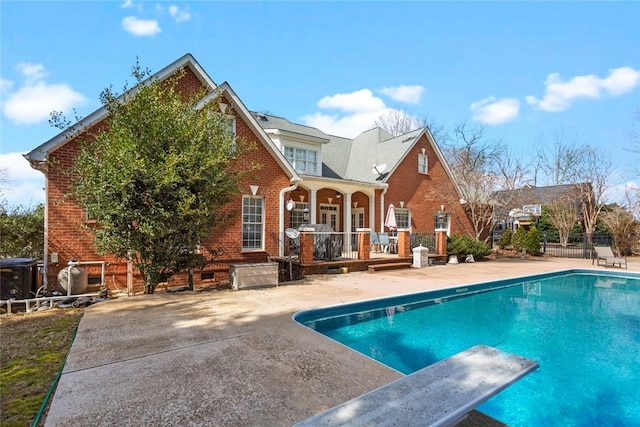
[281,221]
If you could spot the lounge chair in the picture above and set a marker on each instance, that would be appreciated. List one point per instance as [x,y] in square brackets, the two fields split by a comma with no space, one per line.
[605,254]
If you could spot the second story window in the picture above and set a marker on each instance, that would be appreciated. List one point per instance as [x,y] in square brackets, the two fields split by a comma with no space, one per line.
[423,164]
[403,217]
[303,160]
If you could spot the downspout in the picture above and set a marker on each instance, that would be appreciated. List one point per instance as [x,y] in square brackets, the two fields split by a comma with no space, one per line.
[42,167]
[281,221]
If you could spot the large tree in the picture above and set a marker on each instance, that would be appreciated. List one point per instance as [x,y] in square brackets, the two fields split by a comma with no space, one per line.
[483,169]
[156,180]
[587,168]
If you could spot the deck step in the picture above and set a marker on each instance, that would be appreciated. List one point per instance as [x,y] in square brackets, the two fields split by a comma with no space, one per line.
[389,266]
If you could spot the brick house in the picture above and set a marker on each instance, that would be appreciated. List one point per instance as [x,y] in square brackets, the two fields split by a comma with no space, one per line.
[305,176]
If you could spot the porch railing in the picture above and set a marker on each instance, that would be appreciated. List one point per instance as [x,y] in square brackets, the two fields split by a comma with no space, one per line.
[327,246]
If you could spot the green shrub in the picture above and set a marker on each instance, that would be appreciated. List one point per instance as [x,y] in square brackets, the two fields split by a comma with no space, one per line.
[462,245]
[519,239]
[505,239]
[532,242]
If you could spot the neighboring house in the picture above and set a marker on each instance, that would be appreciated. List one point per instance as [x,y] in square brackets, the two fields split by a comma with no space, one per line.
[345,183]
[522,207]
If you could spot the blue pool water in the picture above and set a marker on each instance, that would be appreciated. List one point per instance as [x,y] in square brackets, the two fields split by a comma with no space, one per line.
[583,328]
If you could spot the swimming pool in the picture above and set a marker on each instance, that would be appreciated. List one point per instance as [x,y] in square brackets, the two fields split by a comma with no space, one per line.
[581,326]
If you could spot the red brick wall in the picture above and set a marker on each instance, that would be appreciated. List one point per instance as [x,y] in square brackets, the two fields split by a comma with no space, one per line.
[70,237]
[424,194]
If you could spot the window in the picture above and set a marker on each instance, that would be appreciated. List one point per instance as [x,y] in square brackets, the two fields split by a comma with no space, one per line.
[303,160]
[252,222]
[441,221]
[403,217]
[423,164]
[297,215]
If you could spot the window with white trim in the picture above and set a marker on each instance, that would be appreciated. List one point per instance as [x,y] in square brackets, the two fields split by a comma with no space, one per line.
[297,215]
[303,159]
[252,222]
[423,164]
[403,217]
[441,221]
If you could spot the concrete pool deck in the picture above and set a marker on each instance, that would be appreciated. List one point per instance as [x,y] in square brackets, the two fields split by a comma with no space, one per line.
[225,358]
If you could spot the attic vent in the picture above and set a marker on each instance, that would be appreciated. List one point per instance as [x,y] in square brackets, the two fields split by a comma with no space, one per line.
[407,139]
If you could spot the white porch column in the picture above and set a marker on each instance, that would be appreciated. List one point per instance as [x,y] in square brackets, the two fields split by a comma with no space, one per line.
[382,212]
[347,218]
[313,201]
[372,212]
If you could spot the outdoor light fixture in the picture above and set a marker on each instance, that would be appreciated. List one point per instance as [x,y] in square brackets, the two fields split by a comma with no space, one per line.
[305,214]
[338,195]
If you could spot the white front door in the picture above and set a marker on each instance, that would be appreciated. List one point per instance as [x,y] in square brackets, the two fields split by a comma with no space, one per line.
[357,221]
[330,215]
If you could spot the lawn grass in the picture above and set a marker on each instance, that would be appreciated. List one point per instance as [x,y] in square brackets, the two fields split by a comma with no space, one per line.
[34,348]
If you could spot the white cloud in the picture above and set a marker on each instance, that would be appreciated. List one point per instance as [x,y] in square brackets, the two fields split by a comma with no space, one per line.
[140,27]
[26,185]
[354,102]
[559,94]
[349,126]
[408,94]
[494,111]
[180,15]
[31,72]
[34,101]
[129,4]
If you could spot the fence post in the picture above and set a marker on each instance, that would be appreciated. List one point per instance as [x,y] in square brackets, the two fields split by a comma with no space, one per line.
[544,243]
[584,245]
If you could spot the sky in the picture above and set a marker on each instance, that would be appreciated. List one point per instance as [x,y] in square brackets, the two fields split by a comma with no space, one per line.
[524,71]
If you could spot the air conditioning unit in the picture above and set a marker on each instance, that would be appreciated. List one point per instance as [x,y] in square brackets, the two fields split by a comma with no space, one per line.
[244,276]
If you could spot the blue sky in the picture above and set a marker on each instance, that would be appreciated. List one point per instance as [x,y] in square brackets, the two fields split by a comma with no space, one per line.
[524,70]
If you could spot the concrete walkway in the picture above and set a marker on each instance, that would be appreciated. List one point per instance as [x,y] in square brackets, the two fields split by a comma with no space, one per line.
[225,358]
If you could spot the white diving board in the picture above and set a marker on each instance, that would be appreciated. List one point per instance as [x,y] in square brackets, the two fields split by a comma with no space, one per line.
[439,395]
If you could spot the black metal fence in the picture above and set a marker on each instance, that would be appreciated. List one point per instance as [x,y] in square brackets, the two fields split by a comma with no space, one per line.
[578,246]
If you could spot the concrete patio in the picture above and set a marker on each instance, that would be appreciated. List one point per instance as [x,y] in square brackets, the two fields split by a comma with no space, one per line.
[225,358]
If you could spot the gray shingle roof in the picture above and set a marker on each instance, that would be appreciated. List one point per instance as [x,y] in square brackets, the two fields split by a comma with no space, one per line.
[350,159]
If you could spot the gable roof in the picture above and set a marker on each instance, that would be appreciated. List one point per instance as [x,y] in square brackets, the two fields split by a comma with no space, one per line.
[39,155]
[353,159]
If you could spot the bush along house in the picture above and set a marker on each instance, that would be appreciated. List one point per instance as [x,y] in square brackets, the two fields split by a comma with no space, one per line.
[307,180]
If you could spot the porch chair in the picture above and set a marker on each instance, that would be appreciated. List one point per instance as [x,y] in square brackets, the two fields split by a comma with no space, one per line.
[375,242]
[605,254]
[384,242]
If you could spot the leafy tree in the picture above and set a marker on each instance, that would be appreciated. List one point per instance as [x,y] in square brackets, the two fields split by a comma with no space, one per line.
[21,231]
[157,178]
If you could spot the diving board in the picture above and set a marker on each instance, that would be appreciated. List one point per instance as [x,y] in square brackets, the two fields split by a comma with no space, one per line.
[438,395]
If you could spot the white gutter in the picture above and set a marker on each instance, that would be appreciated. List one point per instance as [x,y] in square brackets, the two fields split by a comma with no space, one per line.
[281,222]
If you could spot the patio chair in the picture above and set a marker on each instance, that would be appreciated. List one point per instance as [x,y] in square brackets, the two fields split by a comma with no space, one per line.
[606,258]
[384,242]
[375,241]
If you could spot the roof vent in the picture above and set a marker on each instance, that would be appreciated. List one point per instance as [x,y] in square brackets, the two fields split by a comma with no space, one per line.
[262,117]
